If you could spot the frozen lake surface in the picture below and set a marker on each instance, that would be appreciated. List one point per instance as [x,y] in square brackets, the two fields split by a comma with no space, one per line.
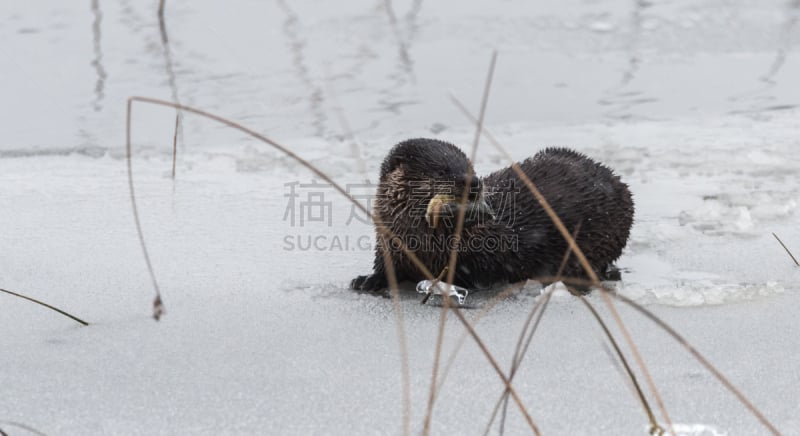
[693,103]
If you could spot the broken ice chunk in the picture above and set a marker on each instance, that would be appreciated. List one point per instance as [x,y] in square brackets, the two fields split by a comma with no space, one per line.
[441,288]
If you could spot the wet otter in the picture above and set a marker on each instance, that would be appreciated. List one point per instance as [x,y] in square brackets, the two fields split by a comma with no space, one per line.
[507,235]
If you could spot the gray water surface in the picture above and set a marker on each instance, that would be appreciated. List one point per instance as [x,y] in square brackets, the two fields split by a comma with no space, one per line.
[307,69]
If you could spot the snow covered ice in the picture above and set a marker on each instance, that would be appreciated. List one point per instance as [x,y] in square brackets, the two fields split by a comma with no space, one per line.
[694,104]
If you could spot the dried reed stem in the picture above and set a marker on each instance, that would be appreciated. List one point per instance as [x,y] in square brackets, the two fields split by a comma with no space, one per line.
[584,263]
[787,249]
[73,317]
[380,227]
[451,268]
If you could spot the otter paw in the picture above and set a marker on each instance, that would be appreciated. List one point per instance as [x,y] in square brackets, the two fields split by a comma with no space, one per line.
[579,290]
[370,283]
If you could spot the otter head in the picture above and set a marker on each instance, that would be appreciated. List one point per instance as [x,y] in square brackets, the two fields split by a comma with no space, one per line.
[425,180]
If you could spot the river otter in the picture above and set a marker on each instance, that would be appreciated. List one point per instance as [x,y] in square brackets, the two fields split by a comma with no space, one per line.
[507,236]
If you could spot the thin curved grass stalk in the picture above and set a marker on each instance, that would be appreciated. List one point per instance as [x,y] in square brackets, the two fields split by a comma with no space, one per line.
[460,342]
[171,79]
[19,425]
[693,351]
[158,309]
[787,249]
[703,361]
[604,293]
[507,292]
[451,267]
[497,369]
[537,311]
[380,227]
[584,263]
[161,5]
[24,297]
[175,144]
[523,344]
[506,382]
[433,285]
[655,428]
[158,305]
[394,292]
[618,367]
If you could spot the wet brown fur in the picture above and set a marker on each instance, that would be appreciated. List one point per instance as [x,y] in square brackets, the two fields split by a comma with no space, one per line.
[519,242]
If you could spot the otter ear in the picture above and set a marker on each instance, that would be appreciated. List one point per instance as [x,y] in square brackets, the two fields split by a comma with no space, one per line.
[391,163]
[396,176]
